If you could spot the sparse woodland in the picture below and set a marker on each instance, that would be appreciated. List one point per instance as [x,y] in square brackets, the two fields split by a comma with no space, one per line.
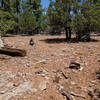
[50,53]
[80,17]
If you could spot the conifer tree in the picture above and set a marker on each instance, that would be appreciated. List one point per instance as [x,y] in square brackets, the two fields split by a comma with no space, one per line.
[82,16]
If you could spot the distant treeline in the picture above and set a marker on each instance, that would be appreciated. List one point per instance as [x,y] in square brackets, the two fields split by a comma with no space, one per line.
[81,17]
[21,16]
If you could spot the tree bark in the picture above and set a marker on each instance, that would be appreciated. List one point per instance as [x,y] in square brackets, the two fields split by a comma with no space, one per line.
[69,33]
[12,52]
[2,3]
[66,31]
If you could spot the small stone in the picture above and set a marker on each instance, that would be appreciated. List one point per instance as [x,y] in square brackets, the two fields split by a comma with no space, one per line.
[15,84]
[97,93]
[73,83]
[74,65]
[94,92]
[3,91]
[98,75]
[28,65]
[98,60]
[60,87]
[1,42]
[42,73]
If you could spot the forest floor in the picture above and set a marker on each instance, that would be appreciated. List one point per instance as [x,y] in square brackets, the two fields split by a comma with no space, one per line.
[44,74]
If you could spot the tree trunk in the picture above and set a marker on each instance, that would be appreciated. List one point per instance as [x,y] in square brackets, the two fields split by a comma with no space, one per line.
[69,33]
[66,31]
[2,3]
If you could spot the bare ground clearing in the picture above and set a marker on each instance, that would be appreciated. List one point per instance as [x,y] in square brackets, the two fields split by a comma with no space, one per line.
[44,74]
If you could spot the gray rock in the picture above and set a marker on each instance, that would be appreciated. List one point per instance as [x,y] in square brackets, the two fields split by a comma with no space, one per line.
[98,75]
[74,65]
[42,73]
[9,89]
[1,42]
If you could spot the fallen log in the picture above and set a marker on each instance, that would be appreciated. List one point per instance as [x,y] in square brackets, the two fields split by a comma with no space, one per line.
[12,52]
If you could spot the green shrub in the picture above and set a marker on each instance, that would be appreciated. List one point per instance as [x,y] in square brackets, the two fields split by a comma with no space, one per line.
[27,22]
[7,22]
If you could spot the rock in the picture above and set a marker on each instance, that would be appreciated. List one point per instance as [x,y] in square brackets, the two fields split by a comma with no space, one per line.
[1,43]
[94,93]
[28,65]
[24,87]
[16,84]
[60,88]
[42,72]
[98,60]
[97,93]
[17,91]
[98,75]
[74,65]
[8,89]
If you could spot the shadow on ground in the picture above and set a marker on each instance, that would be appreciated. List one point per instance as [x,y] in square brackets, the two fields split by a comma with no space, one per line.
[63,40]
[14,35]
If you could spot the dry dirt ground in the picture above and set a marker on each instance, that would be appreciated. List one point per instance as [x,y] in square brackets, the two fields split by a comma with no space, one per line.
[44,74]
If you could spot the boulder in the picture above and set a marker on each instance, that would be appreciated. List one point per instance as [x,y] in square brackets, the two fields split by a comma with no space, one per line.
[1,42]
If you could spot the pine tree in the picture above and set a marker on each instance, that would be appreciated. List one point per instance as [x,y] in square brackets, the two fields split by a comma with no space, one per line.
[7,20]
[87,19]
[82,16]
[31,17]
[37,11]
[60,14]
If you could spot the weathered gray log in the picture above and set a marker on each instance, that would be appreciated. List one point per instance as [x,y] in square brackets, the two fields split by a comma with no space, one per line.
[12,52]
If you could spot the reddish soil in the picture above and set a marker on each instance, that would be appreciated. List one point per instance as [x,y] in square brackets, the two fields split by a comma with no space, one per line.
[53,54]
